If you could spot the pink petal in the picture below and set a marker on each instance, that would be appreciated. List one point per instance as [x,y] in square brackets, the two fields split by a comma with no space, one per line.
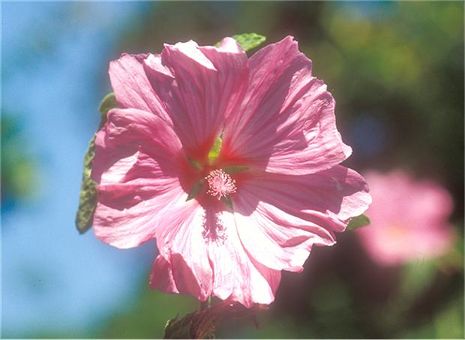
[156,70]
[180,241]
[136,166]
[161,276]
[328,198]
[280,217]
[286,123]
[131,206]
[131,86]
[236,276]
[275,238]
[210,83]
[125,126]
[129,130]
[130,227]
[203,255]
[134,179]
[229,45]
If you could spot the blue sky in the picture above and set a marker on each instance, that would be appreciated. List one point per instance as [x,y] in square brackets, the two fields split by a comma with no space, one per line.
[54,72]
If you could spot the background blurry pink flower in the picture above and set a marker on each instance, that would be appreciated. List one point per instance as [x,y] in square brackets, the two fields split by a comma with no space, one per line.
[409,219]
[226,224]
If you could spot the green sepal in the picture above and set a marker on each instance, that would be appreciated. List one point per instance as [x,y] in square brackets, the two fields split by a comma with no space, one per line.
[249,41]
[88,194]
[234,169]
[228,203]
[195,163]
[196,188]
[358,222]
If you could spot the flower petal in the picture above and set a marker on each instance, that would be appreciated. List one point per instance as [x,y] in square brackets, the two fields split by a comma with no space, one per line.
[124,126]
[180,241]
[236,276]
[280,217]
[161,276]
[203,255]
[328,198]
[129,130]
[136,167]
[286,123]
[132,87]
[229,45]
[275,238]
[133,197]
[134,179]
[128,228]
[210,83]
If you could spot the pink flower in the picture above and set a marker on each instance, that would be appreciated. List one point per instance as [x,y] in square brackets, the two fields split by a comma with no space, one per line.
[408,219]
[225,224]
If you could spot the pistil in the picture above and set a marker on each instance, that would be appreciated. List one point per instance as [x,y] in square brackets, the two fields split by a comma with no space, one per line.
[220,184]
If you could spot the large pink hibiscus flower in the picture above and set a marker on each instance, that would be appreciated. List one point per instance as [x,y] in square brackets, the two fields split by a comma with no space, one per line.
[231,163]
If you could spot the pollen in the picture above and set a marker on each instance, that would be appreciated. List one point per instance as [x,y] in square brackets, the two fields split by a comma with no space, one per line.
[220,184]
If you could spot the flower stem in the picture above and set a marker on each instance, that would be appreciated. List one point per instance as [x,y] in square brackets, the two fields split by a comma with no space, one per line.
[202,323]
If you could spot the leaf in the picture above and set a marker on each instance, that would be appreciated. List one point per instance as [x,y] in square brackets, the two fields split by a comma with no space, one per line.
[88,194]
[249,41]
[108,102]
[358,222]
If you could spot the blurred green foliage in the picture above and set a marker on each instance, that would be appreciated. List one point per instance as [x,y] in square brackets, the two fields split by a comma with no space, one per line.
[147,318]
[18,177]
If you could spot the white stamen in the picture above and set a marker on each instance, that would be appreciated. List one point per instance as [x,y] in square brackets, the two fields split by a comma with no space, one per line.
[220,184]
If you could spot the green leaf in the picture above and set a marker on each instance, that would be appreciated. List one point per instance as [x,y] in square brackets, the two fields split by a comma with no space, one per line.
[249,41]
[358,222]
[88,194]
[108,102]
